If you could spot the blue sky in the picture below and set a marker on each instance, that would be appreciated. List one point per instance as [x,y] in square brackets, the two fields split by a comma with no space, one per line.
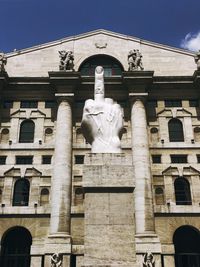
[25,23]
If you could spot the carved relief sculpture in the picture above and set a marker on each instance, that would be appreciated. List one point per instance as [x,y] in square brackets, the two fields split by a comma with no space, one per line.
[197,60]
[101,45]
[66,60]
[3,61]
[135,60]
[102,119]
[56,260]
[148,260]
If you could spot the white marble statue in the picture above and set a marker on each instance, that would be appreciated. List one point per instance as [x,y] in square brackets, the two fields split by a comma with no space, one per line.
[102,119]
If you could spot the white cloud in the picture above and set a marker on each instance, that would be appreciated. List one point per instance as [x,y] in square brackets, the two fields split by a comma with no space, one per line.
[191,41]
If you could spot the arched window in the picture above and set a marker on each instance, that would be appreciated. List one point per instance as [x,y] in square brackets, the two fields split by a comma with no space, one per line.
[5,135]
[186,241]
[159,196]
[182,191]
[21,192]
[27,129]
[44,196]
[15,250]
[175,131]
[78,196]
[112,66]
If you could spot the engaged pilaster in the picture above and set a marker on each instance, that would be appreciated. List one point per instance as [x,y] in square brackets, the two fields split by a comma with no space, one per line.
[141,163]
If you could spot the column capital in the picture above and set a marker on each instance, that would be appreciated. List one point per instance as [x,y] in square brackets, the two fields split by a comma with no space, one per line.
[138,81]
[69,97]
[138,96]
[64,81]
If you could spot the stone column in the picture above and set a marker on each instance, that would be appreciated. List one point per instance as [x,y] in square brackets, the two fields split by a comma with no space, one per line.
[61,180]
[141,162]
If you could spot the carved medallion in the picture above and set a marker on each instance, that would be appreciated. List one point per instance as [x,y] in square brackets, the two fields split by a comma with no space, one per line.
[101,45]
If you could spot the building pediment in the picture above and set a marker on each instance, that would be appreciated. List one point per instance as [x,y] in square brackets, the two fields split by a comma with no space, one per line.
[99,36]
[37,61]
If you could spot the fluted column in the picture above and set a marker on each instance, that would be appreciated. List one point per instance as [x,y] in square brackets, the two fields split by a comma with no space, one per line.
[141,162]
[61,180]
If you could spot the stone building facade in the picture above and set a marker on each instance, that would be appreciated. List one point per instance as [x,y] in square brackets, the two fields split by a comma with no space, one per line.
[55,210]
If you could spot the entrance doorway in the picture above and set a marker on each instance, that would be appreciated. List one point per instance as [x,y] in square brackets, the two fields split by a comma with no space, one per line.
[15,248]
[187,247]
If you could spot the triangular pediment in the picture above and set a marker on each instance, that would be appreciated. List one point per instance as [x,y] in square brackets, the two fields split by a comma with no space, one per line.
[12,172]
[28,113]
[180,171]
[190,171]
[100,34]
[174,112]
[22,172]
[171,171]
[39,60]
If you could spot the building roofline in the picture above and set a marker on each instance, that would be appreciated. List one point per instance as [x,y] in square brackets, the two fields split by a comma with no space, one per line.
[100,31]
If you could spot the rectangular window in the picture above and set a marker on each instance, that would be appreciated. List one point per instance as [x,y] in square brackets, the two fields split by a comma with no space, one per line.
[194,103]
[29,104]
[173,103]
[78,178]
[198,158]
[156,158]
[8,104]
[24,159]
[79,159]
[2,160]
[50,104]
[46,159]
[178,158]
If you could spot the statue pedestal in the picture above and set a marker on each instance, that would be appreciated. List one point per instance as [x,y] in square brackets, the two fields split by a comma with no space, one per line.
[109,210]
[148,242]
[58,243]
